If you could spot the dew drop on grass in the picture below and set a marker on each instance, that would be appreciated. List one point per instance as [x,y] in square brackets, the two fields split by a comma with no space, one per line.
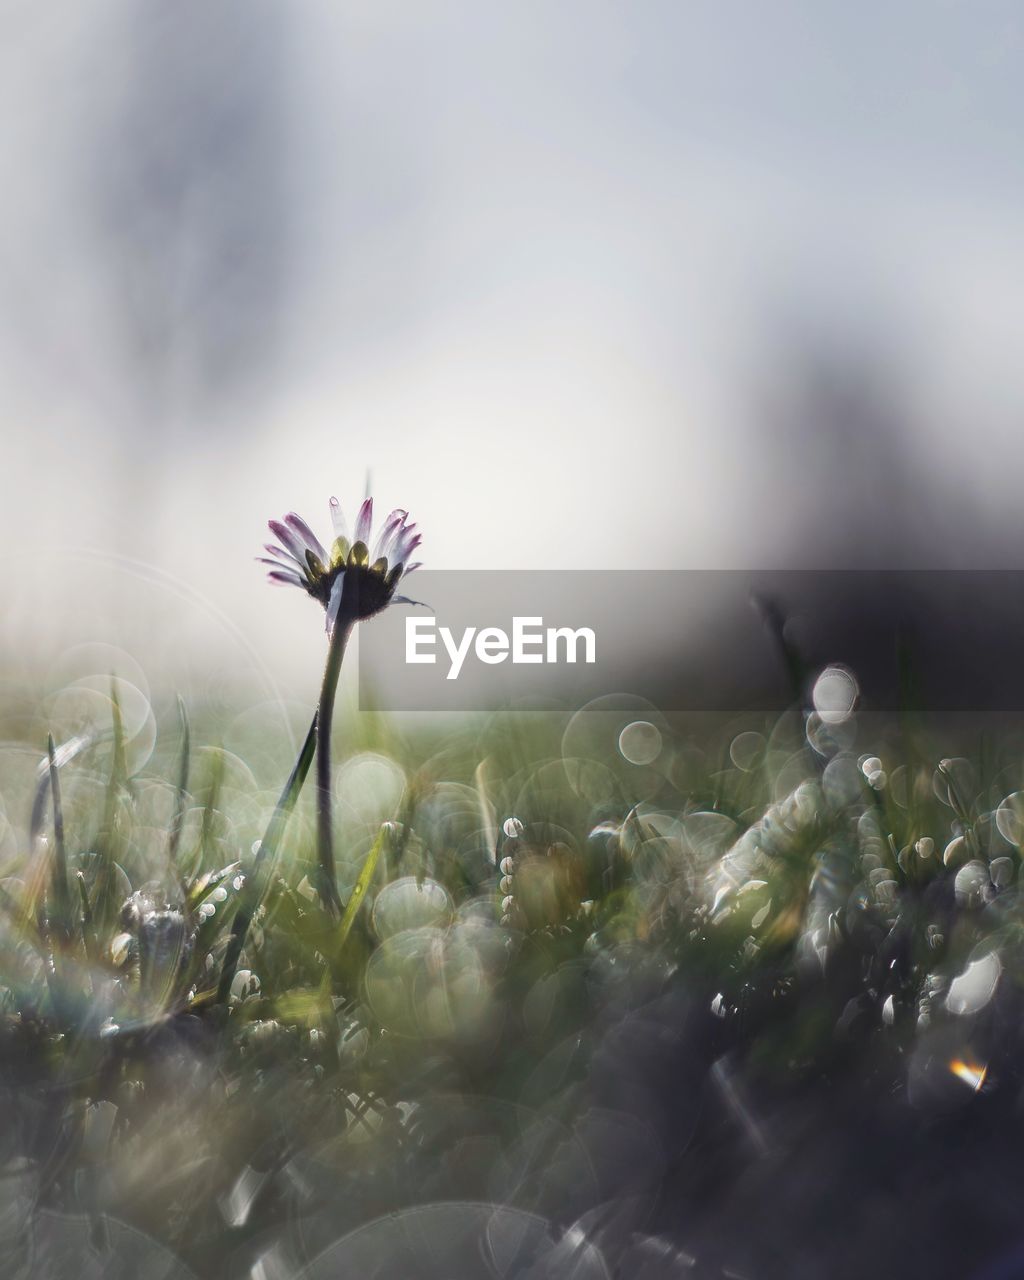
[353,1041]
[971,990]
[971,882]
[759,917]
[245,983]
[955,852]
[119,948]
[953,782]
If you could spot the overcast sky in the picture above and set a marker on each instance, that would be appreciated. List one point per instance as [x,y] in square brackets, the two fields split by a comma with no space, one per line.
[581,284]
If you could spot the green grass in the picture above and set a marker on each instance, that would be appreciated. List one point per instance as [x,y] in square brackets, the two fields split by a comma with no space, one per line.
[185,1029]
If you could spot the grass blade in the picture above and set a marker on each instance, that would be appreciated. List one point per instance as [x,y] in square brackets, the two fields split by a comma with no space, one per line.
[104,905]
[59,863]
[181,794]
[253,887]
[361,886]
[62,755]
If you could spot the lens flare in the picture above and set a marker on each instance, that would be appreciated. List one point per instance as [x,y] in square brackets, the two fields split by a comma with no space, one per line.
[971,1073]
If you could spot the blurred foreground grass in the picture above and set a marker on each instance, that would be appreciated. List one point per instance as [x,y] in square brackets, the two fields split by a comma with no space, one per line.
[613,996]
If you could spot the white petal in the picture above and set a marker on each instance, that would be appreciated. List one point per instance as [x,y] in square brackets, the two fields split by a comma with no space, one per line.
[338,519]
[389,532]
[364,522]
[406,544]
[299,526]
[285,557]
[289,539]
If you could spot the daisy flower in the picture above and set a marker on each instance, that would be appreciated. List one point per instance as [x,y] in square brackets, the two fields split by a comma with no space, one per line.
[353,583]
[358,576]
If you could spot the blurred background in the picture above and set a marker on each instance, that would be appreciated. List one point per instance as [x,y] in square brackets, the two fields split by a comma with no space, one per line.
[582,285]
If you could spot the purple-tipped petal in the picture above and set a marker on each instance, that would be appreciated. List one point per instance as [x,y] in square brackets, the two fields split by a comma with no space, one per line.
[314,544]
[406,600]
[280,552]
[407,544]
[389,532]
[334,603]
[364,522]
[289,540]
[411,568]
[338,519]
[398,553]
[285,577]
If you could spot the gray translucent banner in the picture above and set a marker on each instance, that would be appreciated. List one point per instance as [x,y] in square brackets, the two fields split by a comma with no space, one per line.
[693,640]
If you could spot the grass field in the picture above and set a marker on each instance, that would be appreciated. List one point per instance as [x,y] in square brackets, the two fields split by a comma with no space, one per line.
[602,995]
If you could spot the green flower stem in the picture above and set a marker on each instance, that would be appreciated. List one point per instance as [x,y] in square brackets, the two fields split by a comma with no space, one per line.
[252,890]
[328,887]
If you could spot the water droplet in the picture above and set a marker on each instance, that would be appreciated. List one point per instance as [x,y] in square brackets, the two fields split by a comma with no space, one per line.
[245,983]
[971,884]
[119,948]
[974,988]
[955,852]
